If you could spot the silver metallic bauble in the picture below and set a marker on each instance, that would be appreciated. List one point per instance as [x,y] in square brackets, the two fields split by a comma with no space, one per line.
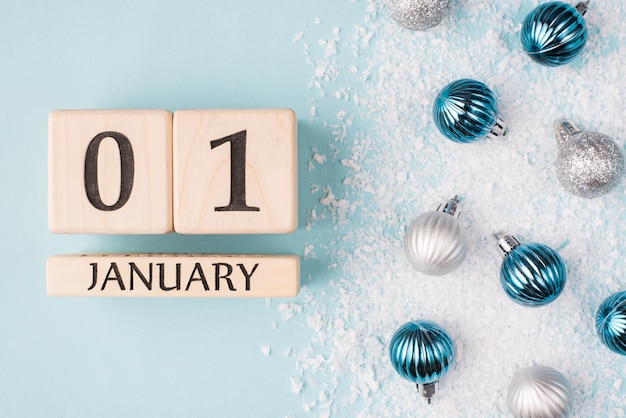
[418,14]
[588,164]
[540,392]
[435,243]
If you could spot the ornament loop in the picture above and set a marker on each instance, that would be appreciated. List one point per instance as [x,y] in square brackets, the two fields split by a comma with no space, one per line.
[564,130]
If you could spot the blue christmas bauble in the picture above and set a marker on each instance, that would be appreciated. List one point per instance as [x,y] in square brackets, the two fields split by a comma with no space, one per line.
[531,274]
[611,322]
[554,33]
[467,110]
[422,352]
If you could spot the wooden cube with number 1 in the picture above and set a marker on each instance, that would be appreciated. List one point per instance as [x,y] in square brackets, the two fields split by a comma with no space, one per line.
[110,171]
[235,171]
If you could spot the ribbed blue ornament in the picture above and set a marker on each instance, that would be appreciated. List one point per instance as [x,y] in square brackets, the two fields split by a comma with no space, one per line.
[532,274]
[554,33]
[611,322]
[466,110]
[421,351]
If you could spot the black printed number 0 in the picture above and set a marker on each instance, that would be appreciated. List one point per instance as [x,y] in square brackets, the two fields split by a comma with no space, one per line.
[127,167]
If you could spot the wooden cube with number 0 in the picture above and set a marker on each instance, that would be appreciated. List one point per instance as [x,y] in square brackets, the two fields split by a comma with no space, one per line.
[110,171]
[235,171]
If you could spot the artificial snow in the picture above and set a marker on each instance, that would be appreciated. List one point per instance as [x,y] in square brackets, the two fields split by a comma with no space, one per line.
[392,165]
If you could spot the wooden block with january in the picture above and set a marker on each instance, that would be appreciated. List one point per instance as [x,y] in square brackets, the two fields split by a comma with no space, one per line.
[110,171]
[174,275]
[235,171]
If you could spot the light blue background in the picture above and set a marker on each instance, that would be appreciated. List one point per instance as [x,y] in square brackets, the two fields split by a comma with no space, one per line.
[64,357]
[83,357]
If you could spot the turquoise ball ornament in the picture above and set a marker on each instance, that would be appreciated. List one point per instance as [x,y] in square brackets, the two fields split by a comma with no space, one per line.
[554,33]
[422,352]
[531,274]
[611,322]
[467,110]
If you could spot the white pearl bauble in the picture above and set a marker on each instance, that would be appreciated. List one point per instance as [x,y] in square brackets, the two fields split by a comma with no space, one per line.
[435,243]
[540,392]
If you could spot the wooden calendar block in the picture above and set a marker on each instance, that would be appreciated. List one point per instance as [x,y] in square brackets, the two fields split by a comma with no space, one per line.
[235,171]
[173,275]
[110,171]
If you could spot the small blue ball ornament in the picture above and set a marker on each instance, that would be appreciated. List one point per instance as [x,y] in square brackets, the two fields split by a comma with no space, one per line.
[422,352]
[611,322]
[554,33]
[531,274]
[467,110]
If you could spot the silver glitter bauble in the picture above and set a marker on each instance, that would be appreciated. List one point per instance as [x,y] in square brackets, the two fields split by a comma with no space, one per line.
[418,14]
[540,392]
[435,243]
[588,164]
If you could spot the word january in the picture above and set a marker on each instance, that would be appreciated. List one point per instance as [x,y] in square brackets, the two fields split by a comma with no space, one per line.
[126,277]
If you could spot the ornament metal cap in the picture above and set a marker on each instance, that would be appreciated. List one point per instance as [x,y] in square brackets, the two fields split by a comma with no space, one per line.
[582,7]
[564,130]
[427,390]
[450,207]
[506,243]
[498,130]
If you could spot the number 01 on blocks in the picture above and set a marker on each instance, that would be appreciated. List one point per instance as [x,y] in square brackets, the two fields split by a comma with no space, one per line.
[193,172]
[152,172]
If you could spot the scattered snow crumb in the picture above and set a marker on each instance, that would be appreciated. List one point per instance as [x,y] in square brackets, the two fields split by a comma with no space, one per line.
[296,384]
[351,164]
[315,322]
[328,199]
[265,350]
[297,36]
[331,49]
[319,158]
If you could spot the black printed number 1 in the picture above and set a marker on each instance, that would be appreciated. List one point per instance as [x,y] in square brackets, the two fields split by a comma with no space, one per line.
[237,173]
